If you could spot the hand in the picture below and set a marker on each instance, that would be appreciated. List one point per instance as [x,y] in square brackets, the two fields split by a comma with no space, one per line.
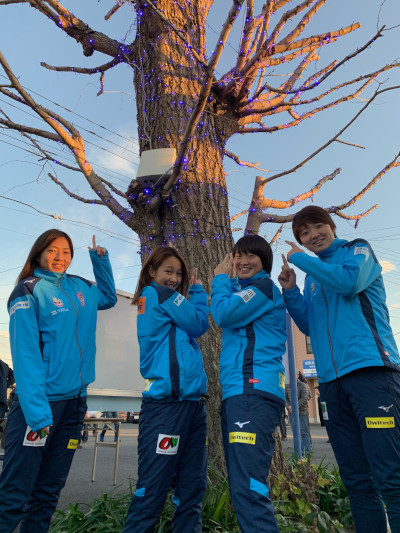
[294,249]
[194,280]
[287,277]
[226,267]
[289,408]
[100,251]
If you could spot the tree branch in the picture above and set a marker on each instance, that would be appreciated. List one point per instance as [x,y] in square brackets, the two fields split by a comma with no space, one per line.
[235,158]
[73,195]
[80,70]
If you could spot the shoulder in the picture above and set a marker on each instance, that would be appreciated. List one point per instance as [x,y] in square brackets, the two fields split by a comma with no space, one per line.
[24,288]
[265,286]
[360,246]
[80,279]
[163,293]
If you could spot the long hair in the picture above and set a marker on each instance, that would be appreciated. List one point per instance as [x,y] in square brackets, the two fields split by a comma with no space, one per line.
[155,260]
[312,214]
[254,244]
[41,243]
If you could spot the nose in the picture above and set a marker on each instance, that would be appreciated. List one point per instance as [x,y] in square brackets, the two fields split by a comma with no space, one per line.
[58,255]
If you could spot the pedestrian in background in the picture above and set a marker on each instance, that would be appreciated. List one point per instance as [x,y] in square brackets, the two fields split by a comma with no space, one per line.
[303,395]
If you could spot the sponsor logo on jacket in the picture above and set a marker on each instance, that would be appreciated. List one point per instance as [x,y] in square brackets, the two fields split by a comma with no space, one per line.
[19,305]
[81,298]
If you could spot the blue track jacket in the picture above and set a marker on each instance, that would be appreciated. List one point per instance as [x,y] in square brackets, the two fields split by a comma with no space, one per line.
[52,336]
[343,309]
[170,359]
[252,316]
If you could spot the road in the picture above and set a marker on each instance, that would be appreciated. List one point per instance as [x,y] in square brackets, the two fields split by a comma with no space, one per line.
[80,488]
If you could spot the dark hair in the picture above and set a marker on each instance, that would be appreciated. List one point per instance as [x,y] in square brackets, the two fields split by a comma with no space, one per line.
[254,244]
[311,214]
[155,260]
[41,243]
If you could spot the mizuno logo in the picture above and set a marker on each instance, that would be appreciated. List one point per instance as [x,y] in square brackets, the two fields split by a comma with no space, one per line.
[241,424]
[384,408]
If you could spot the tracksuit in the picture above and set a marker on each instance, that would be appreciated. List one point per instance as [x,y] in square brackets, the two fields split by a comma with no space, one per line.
[52,337]
[172,442]
[251,314]
[344,311]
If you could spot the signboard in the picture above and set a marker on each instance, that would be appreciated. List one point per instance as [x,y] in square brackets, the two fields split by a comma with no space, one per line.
[309,370]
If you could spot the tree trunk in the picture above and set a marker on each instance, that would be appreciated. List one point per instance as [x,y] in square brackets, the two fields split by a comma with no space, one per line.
[195,218]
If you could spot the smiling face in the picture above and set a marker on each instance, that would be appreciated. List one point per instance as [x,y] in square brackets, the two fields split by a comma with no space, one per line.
[168,274]
[316,237]
[246,265]
[57,256]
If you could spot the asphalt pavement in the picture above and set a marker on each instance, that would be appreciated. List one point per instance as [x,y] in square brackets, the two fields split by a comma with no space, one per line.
[80,489]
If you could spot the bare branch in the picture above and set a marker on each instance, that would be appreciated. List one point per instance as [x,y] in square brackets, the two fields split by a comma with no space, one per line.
[32,131]
[113,10]
[80,70]
[350,144]
[235,158]
[276,236]
[73,195]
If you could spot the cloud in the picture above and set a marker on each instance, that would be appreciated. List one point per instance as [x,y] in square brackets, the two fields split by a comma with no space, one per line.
[387,266]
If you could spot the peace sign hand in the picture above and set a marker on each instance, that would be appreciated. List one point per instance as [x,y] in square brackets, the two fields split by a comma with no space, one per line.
[100,251]
[287,277]
[226,267]
[194,280]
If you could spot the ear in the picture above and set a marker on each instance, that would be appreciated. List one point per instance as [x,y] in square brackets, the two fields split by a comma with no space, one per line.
[152,272]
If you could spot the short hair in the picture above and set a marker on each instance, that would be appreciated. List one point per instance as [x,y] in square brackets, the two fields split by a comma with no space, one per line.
[254,244]
[311,214]
[155,260]
[41,243]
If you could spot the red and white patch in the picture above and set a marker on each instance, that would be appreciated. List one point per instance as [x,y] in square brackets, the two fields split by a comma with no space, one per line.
[81,298]
[57,302]
[253,380]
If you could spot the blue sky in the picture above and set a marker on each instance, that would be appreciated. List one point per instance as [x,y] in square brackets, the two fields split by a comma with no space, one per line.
[108,124]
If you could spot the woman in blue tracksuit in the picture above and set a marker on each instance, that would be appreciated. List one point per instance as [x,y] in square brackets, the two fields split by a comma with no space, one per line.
[172,444]
[52,336]
[344,311]
[251,311]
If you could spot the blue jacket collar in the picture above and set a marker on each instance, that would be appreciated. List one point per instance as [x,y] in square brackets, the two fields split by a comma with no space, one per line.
[337,243]
[52,277]
[260,275]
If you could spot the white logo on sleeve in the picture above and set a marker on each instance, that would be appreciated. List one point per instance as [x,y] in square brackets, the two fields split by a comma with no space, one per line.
[246,295]
[179,299]
[167,444]
[362,250]
[241,424]
[19,305]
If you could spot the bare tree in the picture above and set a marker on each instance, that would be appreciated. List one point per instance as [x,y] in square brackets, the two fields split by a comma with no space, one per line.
[183,104]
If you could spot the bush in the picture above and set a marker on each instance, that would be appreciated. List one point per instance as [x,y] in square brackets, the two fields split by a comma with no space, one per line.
[308,498]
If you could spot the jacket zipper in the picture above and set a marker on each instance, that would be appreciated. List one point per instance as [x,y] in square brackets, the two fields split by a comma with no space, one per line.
[76,331]
[329,334]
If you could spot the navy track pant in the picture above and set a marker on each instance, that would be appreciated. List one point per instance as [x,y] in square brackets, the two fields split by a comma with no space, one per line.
[172,450]
[33,476]
[363,410]
[248,422]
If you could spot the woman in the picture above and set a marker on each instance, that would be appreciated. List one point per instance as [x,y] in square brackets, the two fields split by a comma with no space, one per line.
[52,336]
[344,311]
[251,313]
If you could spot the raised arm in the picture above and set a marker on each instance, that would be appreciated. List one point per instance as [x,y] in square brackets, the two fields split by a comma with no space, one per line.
[105,285]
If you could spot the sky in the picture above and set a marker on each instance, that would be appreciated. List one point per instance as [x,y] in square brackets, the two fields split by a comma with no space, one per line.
[108,125]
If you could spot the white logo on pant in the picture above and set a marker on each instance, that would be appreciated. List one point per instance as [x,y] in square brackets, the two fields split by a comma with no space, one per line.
[167,444]
[241,424]
[384,408]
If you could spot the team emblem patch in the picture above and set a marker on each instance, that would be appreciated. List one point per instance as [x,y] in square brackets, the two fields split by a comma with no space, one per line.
[58,302]
[141,305]
[312,287]
[167,444]
[81,298]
